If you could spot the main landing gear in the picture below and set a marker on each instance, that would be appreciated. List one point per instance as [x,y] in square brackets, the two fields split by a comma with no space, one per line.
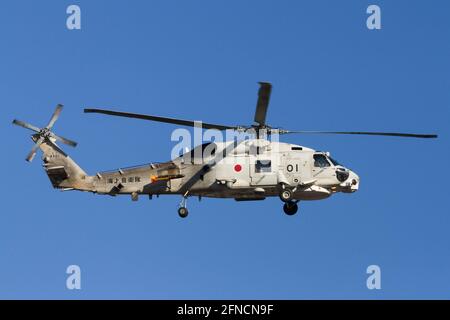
[286,193]
[290,208]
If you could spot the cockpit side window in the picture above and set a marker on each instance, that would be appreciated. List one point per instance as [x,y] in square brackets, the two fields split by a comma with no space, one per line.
[320,161]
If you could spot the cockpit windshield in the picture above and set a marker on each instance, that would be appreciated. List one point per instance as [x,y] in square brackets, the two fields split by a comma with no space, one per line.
[334,162]
[321,160]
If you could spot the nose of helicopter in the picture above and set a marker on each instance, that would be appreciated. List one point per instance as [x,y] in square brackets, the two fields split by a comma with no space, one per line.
[354,181]
[351,184]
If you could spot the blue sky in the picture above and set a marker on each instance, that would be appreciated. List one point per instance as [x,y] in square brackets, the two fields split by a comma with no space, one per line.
[202,60]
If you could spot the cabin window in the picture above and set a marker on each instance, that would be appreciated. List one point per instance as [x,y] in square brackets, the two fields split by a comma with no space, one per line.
[137,179]
[110,180]
[263,166]
[124,180]
[320,161]
[131,179]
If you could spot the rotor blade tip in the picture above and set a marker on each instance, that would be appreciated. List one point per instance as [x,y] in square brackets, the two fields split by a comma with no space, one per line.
[30,157]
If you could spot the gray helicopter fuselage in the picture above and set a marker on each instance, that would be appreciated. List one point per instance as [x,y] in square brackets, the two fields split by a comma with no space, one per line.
[250,170]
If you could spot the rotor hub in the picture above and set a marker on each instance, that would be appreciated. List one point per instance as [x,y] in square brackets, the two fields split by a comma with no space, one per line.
[45,132]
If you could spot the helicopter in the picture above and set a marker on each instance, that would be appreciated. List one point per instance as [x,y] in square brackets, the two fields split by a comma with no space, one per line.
[247,170]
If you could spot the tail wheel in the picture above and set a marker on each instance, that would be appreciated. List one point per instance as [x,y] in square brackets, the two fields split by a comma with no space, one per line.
[290,208]
[183,212]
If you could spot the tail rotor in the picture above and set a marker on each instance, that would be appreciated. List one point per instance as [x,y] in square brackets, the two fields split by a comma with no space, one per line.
[45,134]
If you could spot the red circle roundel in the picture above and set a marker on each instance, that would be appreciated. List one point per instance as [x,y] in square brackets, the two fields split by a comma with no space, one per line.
[238,168]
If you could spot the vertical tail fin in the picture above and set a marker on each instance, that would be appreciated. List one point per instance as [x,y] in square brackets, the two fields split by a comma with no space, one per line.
[63,172]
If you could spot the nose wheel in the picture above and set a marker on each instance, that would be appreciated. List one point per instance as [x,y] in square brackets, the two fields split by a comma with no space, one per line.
[290,208]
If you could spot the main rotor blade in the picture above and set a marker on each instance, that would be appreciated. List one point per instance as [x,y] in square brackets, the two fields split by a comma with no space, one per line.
[32,153]
[390,134]
[55,116]
[158,119]
[65,140]
[26,125]
[263,102]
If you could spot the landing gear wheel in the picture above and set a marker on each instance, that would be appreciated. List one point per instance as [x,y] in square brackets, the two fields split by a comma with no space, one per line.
[183,212]
[286,195]
[290,208]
